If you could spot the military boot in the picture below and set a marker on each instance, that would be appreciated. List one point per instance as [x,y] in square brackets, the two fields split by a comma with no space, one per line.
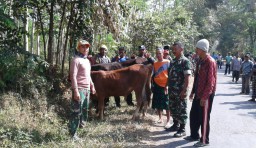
[181,132]
[174,127]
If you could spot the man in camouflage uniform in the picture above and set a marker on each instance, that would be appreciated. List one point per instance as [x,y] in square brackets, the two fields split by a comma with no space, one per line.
[179,77]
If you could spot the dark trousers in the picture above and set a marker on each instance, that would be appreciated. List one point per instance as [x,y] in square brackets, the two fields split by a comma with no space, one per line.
[235,75]
[227,69]
[128,100]
[117,101]
[200,117]
[219,63]
[245,84]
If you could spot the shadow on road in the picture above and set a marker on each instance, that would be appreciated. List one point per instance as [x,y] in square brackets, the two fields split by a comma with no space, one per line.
[174,144]
[242,105]
[226,94]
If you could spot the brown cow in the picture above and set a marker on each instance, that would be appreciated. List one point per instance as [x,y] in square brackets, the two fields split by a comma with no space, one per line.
[121,82]
[119,65]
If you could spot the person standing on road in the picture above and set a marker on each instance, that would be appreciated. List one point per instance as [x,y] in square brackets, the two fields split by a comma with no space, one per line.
[253,83]
[178,82]
[246,70]
[228,62]
[159,87]
[80,74]
[202,93]
[235,67]
[219,61]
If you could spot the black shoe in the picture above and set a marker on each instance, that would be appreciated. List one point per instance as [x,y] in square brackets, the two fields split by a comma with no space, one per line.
[252,100]
[241,93]
[173,128]
[189,138]
[200,144]
[232,80]
[180,133]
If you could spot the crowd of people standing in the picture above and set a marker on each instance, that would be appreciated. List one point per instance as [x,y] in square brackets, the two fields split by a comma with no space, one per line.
[170,85]
[240,67]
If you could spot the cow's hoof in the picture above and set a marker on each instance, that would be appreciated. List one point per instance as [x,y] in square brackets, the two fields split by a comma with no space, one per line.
[136,118]
[144,115]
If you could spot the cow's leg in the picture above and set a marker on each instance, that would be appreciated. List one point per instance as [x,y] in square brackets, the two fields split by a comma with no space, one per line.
[90,107]
[145,104]
[129,100]
[139,103]
[117,100]
[144,108]
[101,106]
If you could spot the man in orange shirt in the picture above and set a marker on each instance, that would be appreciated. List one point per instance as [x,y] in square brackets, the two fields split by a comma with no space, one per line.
[160,88]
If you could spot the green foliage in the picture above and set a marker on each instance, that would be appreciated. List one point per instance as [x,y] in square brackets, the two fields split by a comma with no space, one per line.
[23,72]
[164,27]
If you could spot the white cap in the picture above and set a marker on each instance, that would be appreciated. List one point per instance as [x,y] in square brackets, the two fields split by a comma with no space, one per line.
[203,44]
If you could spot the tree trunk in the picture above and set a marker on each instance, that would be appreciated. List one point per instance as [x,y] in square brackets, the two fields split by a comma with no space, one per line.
[42,30]
[51,35]
[38,45]
[32,35]
[66,40]
[60,34]
[26,30]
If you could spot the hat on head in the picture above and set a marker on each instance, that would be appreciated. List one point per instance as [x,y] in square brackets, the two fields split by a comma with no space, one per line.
[167,47]
[142,47]
[82,42]
[104,47]
[203,44]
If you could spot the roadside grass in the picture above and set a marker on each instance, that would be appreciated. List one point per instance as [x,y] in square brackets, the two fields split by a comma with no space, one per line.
[34,123]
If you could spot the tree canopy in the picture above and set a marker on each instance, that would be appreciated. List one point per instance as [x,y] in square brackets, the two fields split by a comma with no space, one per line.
[49,29]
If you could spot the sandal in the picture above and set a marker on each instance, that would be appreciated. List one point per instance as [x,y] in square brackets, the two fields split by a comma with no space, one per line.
[200,144]
[168,125]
